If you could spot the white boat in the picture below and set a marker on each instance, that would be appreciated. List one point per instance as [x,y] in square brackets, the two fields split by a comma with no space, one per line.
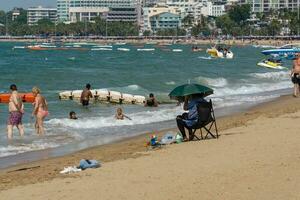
[213,52]
[123,49]
[103,46]
[151,49]
[271,63]
[177,50]
[77,46]
[101,49]
[19,47]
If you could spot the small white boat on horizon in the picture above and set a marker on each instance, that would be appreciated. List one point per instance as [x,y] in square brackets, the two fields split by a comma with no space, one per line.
[151,49]
[103,46]
[123,49]
[101,49]
[177,50]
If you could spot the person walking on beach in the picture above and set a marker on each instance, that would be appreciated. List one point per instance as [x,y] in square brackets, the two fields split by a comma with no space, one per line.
[86,95]
[16,111]
[40,110]
[295,74]
[151,102]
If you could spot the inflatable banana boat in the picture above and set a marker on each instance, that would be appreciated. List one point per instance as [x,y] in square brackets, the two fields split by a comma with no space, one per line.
[213,52]
[26,97]
[104,95]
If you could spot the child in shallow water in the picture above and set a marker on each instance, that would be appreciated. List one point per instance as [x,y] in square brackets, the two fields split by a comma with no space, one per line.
[120,115]
[72,115]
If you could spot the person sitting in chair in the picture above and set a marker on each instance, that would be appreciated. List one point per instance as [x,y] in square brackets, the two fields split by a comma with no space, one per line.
[187,120]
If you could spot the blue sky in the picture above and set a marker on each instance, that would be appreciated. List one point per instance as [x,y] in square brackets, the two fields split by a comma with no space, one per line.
[9,4]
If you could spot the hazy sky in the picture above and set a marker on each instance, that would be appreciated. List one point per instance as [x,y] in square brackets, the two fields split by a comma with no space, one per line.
[9,4]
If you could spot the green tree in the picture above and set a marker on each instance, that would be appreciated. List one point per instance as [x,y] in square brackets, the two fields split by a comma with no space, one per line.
[239,14]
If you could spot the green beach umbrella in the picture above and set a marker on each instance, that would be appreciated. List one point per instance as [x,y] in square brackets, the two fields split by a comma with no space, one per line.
[187,89]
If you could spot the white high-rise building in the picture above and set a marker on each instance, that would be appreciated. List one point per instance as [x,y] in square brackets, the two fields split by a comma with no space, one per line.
[63,10]
[113,10]
[34,14]
[267,5]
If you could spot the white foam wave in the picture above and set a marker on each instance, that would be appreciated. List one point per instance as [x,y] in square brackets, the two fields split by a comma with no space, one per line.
[213,82]
[205,58]
[139,118]
[281,75]
[251,88]
[22,148]
[170,83]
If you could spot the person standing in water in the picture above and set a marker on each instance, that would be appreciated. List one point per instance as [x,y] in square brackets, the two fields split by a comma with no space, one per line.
[151,102]
[40,110]
[86,95]
[16,111]
[295,74]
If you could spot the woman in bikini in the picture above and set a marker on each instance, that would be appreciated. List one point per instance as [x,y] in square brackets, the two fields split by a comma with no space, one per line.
[40,110]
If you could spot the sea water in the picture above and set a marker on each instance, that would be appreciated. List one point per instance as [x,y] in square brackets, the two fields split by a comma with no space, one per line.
[237,83]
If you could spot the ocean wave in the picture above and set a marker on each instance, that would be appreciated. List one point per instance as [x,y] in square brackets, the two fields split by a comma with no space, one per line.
[205,57]
[170,83]
[138,118]
[281,75]
[22,148]
[251,88]
[213,82]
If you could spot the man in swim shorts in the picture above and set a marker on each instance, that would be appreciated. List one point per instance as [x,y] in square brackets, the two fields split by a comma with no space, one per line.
[16,111]
[295,74]
[86,95]
[151,102]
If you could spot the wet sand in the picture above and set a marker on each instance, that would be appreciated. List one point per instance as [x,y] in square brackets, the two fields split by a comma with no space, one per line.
[256,157]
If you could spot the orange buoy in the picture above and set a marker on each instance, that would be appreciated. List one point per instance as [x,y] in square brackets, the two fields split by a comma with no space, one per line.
[26,97]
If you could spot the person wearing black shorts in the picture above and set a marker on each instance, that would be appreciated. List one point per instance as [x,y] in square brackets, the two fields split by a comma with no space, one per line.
[86,95]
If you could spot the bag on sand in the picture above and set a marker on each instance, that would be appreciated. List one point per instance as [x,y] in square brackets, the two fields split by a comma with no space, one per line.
[85,164]
[179,138]
[168,138]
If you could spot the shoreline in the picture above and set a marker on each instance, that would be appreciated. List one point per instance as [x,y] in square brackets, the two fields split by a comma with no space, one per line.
[46,170]
[239,42]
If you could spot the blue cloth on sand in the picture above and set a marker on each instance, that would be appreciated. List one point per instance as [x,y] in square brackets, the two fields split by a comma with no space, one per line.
[84,164]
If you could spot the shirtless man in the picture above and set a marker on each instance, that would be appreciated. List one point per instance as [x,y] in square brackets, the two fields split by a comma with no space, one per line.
[16,111]
[295,74]
[86,95]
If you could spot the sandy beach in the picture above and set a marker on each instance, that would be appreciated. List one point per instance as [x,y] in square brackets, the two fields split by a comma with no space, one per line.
[256,157]
[238,42]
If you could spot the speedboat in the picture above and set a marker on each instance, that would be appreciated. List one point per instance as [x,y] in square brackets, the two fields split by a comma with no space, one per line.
[287,51]
[271,63]
[214,52]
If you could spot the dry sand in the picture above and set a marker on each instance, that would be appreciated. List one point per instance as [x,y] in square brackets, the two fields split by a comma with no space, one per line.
[256,157]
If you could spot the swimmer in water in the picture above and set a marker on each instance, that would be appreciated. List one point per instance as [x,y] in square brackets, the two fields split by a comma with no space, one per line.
[72,115]
[40,110]
[120,115]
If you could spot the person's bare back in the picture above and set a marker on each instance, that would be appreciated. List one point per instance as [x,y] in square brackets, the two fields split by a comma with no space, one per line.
[296,64]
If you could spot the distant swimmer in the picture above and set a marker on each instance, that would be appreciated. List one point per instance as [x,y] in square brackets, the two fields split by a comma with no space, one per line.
[86,95]
[40,110]
[151,102]
[16,111]
[295,74]
[120,115]
[72,115]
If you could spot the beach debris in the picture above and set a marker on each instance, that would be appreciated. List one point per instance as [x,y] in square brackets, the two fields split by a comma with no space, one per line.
[83,165]
[70,170]
[24,168]
[168,138]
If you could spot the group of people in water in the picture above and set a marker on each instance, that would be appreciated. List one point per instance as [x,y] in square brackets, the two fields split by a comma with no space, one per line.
[16,111]
[40,109]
